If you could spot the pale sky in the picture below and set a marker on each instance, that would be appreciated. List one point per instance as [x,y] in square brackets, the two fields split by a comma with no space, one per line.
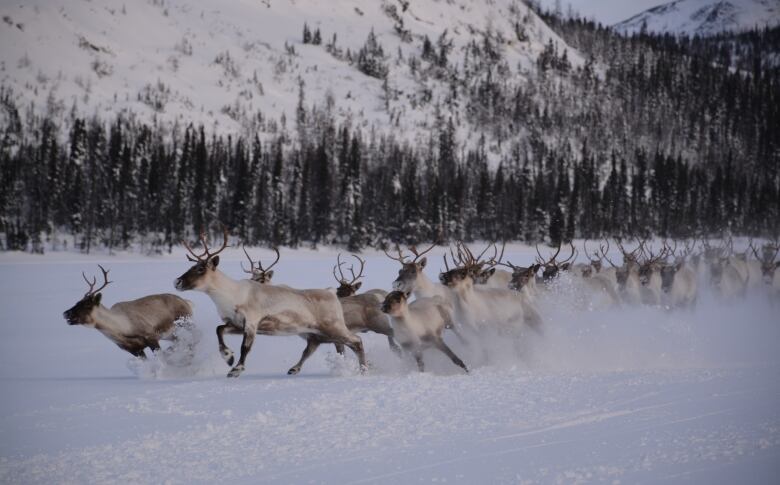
[606,11]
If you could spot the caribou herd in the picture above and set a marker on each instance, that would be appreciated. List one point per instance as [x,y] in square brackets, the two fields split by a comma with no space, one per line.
[474,296]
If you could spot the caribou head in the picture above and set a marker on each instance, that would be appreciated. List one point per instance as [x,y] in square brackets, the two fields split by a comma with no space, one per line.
[82,312]
[395,303]
[767,260]
[348,287]
[259,274]
[206,263]
[522,275]
[651,264]
[410,270]
[667,275]
[594,258]
[621,272]
[551,266]
[482,276]
[468,268]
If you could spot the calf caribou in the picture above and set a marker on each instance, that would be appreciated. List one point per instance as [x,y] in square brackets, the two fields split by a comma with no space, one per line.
[132,325]
[419,325]
[249,309]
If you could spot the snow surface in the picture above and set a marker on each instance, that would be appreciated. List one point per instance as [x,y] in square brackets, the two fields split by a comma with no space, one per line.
[705,17]
[632,395]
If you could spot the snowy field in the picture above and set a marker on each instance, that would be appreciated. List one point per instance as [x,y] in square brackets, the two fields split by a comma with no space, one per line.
[630,395]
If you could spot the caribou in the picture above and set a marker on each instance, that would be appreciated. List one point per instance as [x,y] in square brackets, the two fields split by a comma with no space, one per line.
[479,307]
[132,325]
[766,264]
[419,325]
[492,277]
[727,277]
[678,283]
[259,274]
[650,275]
[411,278]
[551,267]
[361,312]
[594,278]
[627,275]
[248,308]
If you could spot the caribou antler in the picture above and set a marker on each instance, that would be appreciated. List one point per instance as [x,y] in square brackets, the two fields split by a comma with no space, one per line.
[418,255]
[604,253]
[251,263]
[343,279]
[652,258]
[493,261]
[587,255]
[628,254]
[259,270]
[672,250]
[601,248]
[571,256]
[91,290]
[401,258]
[260,263]
[206,255]
[541,259]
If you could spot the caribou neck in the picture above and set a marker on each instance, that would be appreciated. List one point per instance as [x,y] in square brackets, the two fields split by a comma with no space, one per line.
[222,285]
[424,287]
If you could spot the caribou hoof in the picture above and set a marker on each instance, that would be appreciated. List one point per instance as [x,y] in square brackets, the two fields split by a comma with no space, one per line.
[228,356]
[236,371]
[293,371]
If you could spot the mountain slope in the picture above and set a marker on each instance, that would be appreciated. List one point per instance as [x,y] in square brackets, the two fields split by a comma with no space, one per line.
[233,66]
[704,17]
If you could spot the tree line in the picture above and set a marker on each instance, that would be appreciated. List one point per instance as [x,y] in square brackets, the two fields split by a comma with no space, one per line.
[651,135]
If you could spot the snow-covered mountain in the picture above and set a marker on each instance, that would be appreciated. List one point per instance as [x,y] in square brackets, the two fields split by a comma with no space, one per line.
[233,66]
[704,17]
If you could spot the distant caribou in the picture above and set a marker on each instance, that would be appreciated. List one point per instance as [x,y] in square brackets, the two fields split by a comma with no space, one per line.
[259,274]
[132,325]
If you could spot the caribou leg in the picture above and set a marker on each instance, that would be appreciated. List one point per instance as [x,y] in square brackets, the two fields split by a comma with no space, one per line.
[393,346]
[439,343]
[312,342]
[384,328]
[246,347]
[418,358]
[224,350]
[339,348]
[356,345]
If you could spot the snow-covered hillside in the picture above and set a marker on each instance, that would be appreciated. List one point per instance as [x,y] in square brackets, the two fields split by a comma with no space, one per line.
[628,395]
[704,17]
[233,66]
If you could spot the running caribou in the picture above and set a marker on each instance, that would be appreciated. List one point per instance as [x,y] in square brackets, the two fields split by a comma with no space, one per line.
[481,307]
[132,325]
[419,325]
[248,308]
[361,312]
[412,279]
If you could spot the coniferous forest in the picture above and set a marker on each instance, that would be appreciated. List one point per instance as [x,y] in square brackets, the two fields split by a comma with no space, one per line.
[654,135]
